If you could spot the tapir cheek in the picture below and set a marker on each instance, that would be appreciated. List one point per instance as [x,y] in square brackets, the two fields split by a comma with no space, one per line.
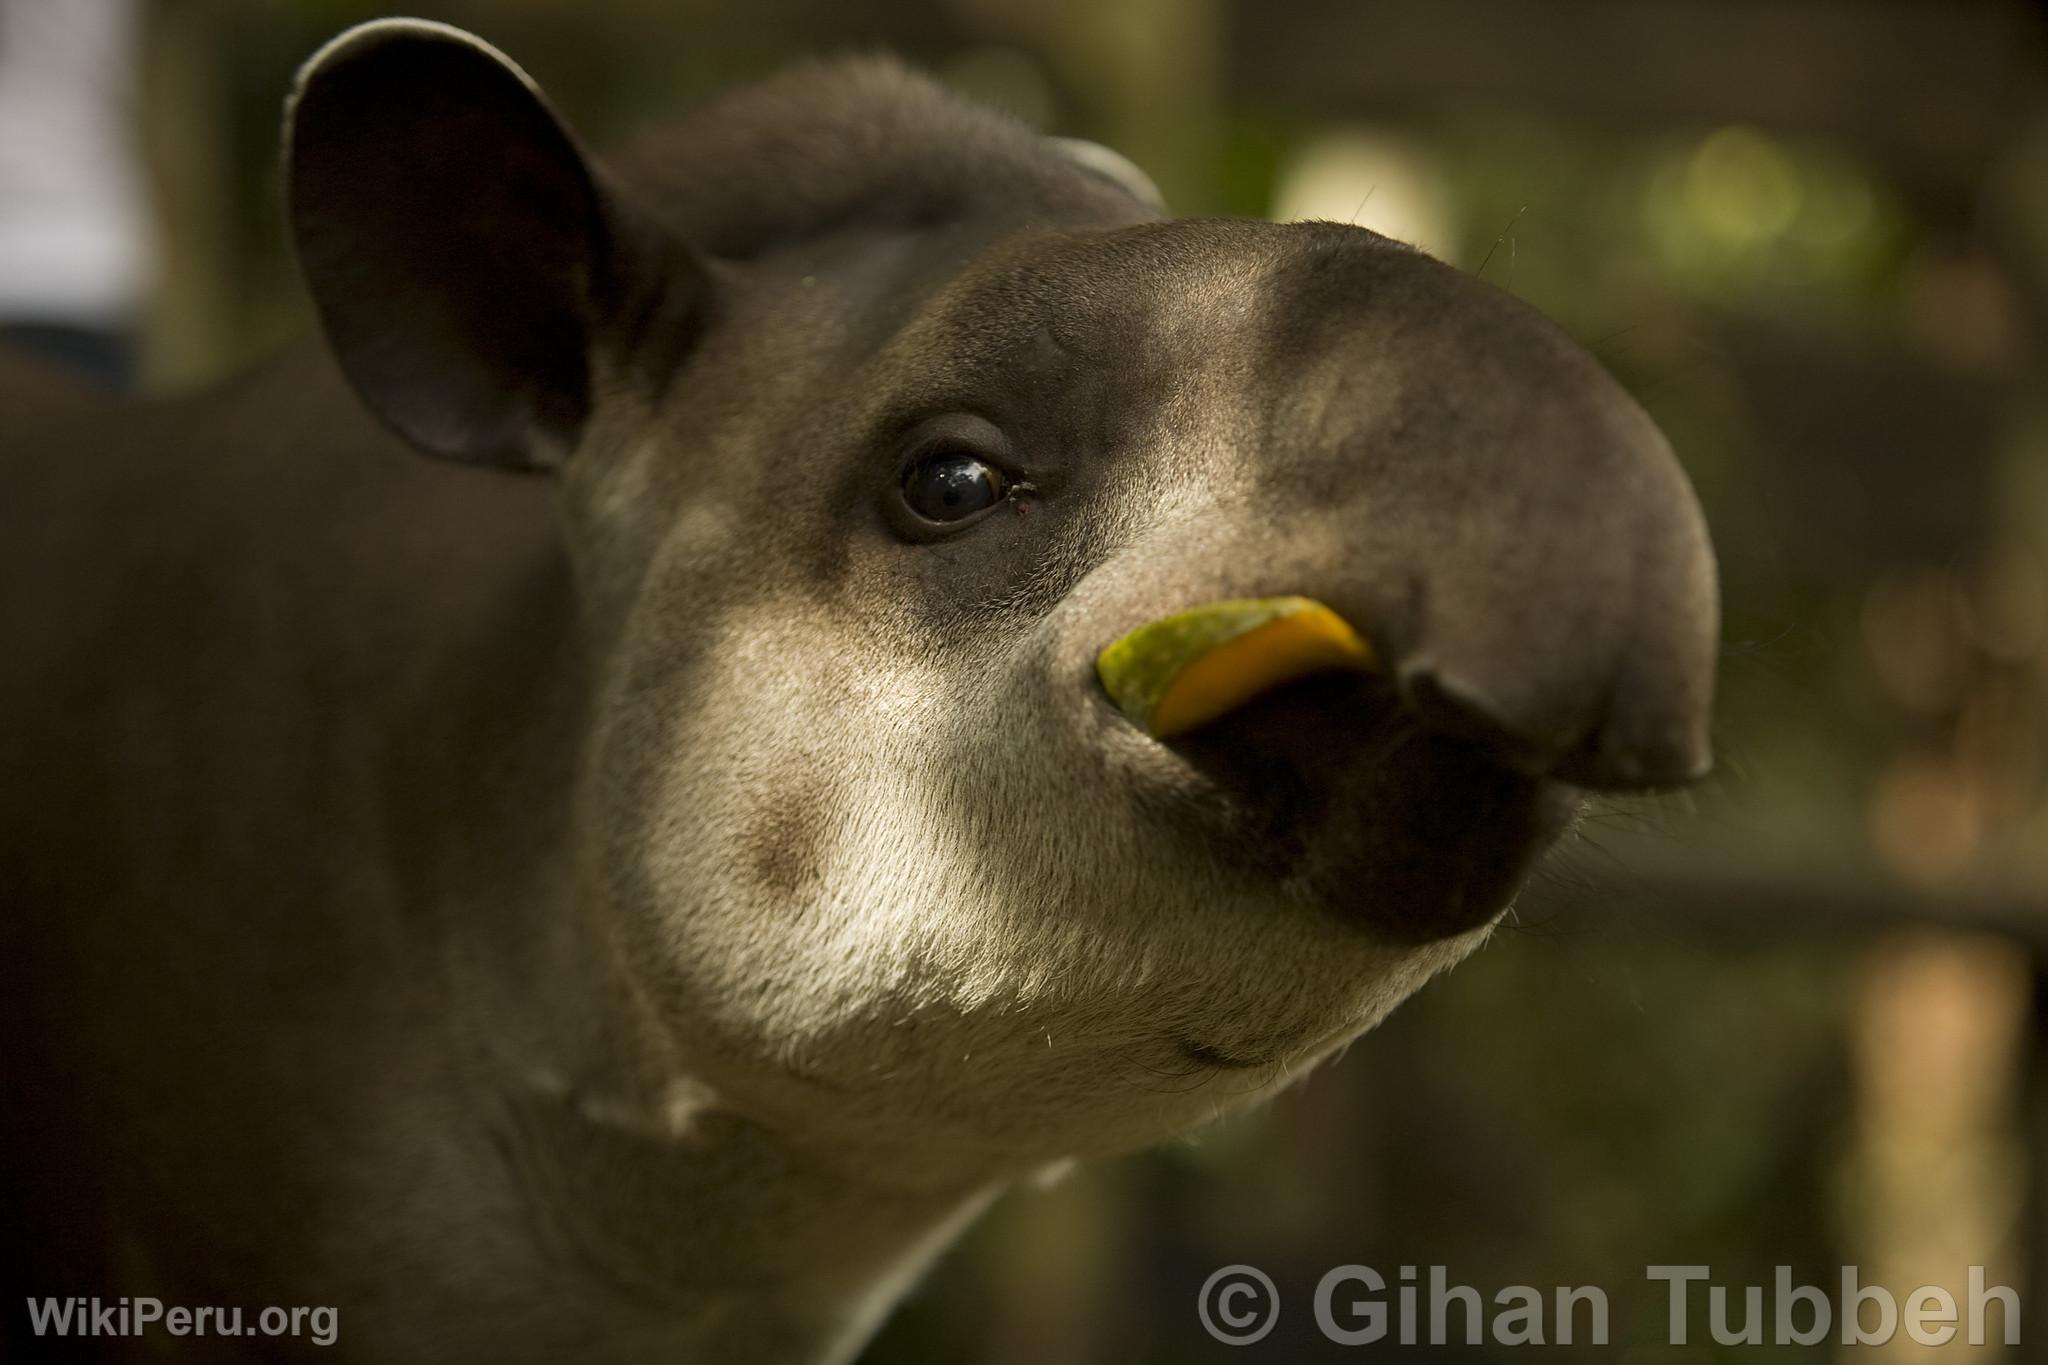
[783,841]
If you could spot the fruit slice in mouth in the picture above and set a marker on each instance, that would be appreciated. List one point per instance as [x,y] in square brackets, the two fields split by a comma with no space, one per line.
[1184,670]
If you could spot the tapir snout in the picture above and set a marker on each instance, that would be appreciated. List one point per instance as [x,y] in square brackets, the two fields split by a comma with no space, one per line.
[1506,526]
[1348,420]
[1511,529]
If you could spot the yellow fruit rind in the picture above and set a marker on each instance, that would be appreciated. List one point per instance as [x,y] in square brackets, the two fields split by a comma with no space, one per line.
[1183,671]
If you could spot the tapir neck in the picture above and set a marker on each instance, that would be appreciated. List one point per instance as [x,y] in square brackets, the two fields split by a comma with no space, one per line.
[684,1229]
[708,1237]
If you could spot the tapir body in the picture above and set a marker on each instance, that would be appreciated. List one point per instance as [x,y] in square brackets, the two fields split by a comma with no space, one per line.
[639,901]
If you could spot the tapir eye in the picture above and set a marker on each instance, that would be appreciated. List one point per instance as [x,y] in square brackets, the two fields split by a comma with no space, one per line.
[953,470]
[949,485]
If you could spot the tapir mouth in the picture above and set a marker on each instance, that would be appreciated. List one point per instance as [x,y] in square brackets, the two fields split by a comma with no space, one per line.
[1326,782]
[1328,787]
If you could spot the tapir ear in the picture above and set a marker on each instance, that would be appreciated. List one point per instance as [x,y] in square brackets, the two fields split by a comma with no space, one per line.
[461,250]
[1111,164]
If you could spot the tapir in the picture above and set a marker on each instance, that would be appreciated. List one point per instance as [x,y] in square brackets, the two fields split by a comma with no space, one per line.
[577,816]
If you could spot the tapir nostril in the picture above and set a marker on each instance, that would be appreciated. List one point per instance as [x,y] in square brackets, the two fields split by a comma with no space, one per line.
[1448,704]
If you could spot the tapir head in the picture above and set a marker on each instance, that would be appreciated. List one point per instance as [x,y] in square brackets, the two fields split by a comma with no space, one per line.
[875,419]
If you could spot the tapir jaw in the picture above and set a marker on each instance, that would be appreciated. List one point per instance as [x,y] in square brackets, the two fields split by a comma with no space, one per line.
[1329,795]
[1326,777]
[1331,789]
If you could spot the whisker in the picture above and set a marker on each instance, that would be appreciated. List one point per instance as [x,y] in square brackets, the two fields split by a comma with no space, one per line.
[1481,271]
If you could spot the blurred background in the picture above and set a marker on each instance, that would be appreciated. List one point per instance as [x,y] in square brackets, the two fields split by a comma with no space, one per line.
[1794,1019]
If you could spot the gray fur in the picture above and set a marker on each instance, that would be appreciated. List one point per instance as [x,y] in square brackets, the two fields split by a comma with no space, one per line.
[643,913]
